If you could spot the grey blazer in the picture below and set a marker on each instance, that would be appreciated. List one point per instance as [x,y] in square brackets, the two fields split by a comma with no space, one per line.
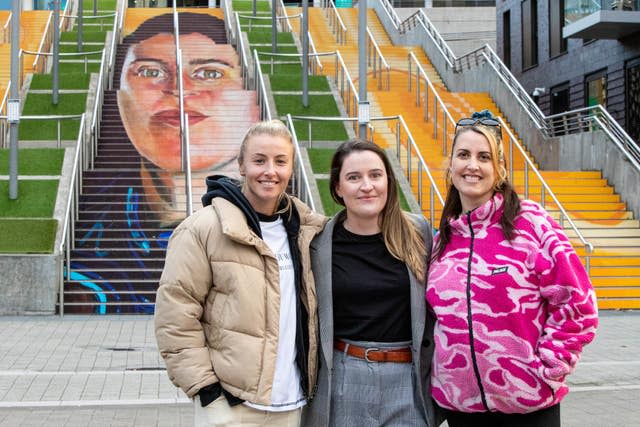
[316,414]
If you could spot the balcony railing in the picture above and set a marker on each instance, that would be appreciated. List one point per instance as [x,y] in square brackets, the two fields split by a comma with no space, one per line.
[574,10]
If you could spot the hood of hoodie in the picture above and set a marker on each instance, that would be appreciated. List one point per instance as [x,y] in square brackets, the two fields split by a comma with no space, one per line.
[229,189]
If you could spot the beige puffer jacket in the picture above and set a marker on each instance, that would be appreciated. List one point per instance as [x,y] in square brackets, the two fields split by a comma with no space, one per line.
[218,305]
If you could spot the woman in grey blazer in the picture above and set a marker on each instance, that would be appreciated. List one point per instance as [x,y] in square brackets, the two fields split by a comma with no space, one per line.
[369,265]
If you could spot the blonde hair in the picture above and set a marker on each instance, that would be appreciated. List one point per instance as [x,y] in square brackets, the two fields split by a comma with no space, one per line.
[401,236]
[276,129]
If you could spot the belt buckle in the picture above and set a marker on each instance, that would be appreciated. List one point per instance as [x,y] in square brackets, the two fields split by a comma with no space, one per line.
[366,354]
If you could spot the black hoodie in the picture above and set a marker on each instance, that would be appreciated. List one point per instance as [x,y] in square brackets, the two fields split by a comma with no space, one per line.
[229,189]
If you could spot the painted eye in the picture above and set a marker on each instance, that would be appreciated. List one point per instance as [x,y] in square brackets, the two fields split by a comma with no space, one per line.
[208,74]
[152,73]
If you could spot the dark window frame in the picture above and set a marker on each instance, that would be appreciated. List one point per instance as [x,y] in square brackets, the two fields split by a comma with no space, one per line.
[559,4]
[588,78]
[532,37]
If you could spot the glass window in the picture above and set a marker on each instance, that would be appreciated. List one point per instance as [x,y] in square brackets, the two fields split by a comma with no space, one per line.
[557,43]
[596,89]
[529,33]
[633,100]
[506,38]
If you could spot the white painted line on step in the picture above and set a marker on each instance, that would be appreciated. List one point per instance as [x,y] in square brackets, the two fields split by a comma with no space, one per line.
[94,403]
[128,372]
[578,389]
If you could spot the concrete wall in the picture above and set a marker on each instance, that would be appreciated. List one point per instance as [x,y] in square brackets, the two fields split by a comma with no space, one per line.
[481,78]
[581,59]
[28,284]
[594,151]
[463,28]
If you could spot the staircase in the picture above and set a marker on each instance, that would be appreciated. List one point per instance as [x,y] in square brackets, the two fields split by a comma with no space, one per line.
[592,203]
[129,206]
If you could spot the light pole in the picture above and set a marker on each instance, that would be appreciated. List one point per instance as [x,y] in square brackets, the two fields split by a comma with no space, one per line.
[56,50]
[80,18]
[305,53]
[363,105]
[274,28]
[13,105]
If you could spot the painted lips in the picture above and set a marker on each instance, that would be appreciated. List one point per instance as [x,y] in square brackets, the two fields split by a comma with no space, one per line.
[172,117]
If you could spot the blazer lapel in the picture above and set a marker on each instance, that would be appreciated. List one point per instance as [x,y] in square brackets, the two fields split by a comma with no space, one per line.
[321,250]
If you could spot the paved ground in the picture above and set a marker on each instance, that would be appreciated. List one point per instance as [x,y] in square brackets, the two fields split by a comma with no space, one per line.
[105,371]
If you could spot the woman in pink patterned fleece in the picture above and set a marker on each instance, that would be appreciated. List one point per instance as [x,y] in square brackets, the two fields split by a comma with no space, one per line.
[514,305]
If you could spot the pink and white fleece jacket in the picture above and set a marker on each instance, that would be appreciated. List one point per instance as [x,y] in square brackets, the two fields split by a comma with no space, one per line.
[512,316]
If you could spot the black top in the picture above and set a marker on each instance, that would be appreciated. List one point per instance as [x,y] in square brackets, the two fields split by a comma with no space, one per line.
[371,298]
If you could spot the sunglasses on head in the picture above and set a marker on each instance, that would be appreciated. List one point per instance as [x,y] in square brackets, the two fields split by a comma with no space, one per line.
[468,121]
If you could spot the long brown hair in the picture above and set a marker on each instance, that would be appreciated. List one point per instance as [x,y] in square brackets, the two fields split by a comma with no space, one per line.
[453,205]
[401,236]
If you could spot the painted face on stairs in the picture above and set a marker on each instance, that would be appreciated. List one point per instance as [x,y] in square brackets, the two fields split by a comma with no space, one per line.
[149,102]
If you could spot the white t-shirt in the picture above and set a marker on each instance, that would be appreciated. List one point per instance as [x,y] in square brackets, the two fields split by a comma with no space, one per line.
[287,393]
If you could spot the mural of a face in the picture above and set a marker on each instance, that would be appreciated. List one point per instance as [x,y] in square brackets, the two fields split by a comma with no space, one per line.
[149,102]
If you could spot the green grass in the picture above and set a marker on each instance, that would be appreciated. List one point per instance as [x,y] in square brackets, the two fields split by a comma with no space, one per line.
[244,5]
[78,68]
[34,161]
[260,36]
[73,48]
[31,236]
[87,35]
[102,5]
[320,159]
[68,103]
[40,104]
[279,49]
[65,81]
[36,199]
[290,83]
[319,105]
[331,208]
[281,68]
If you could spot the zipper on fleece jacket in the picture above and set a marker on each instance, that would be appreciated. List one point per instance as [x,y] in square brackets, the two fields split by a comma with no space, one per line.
[469,318]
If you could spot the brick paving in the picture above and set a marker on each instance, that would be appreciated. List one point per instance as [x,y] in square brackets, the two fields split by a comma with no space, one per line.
[106,371]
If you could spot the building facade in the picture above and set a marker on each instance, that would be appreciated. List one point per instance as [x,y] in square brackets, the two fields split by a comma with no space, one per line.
[570,54]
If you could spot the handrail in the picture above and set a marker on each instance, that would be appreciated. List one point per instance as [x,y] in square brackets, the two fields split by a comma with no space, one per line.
[316,55]
[346,88]
[242,53]
[334,21]
[516,89]
[121,15]
[265,18]
[4,128]
[545,189]
[574,120]
[300,181]
[51,117]
[412,152]
[391,13]
[634,161]
[85,54]
[187,179]
[438,102]
[62,14]
[46,38]
[97,109]
[228,14]
[378,62]
[6,31]
[91,17]
[262,98]
[115,35]
[70,215]
[296,55]
[281,5]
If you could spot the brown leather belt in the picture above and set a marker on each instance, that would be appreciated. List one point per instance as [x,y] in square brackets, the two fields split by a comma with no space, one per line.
[373,354]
